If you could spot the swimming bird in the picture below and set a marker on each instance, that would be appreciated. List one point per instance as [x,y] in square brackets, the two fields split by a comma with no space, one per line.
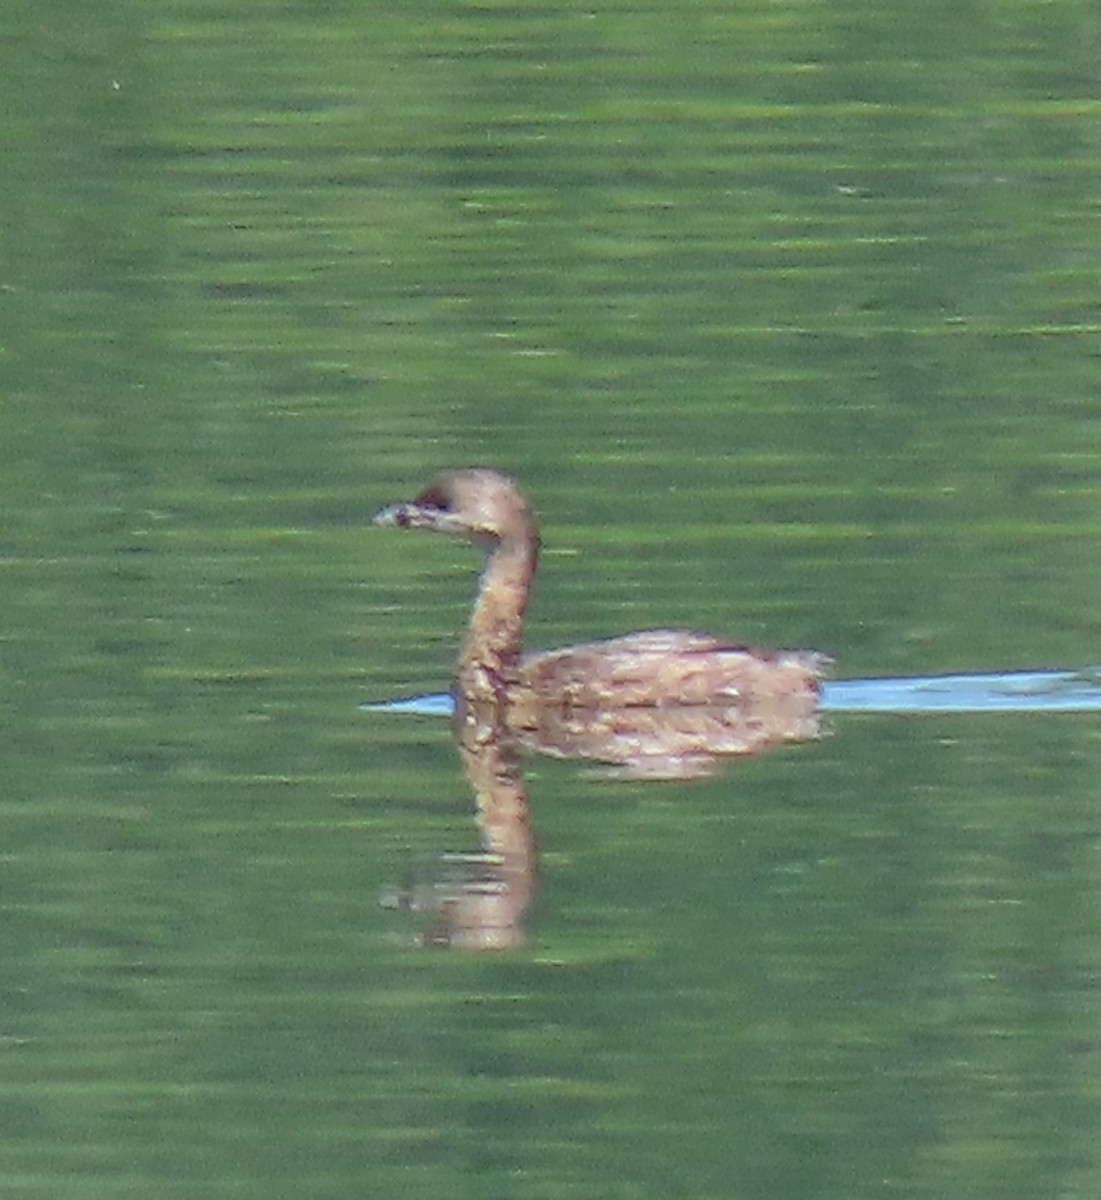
[659,668]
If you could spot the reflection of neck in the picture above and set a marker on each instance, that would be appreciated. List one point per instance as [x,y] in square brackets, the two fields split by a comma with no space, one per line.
[495,636]
[488,911]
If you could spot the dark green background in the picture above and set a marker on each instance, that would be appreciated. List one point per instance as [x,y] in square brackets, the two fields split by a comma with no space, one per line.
[788,316]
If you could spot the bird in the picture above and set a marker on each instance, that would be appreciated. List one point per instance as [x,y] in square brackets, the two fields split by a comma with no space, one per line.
[656,668]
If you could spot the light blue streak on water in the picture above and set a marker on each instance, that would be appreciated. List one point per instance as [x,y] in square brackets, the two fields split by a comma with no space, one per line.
[441,704]
[1015,691]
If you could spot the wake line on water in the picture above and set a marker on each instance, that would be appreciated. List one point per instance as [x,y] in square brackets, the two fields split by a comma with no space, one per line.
[1013,691]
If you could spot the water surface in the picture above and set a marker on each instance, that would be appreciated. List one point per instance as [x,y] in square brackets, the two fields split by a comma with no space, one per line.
[787,317]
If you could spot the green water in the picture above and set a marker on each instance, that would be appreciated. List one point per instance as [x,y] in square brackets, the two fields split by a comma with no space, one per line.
[787,315]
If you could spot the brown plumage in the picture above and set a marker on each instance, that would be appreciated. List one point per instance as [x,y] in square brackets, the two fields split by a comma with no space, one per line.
[662,668]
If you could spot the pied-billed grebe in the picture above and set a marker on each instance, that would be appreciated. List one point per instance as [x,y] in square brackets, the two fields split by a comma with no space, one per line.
[662,667]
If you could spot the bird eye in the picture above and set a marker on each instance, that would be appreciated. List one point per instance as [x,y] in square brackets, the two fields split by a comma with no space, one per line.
[434,497]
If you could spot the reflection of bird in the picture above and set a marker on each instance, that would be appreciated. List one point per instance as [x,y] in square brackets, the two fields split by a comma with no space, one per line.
[658,668]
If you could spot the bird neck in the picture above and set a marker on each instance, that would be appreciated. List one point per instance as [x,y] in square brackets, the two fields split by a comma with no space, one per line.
[494,639]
